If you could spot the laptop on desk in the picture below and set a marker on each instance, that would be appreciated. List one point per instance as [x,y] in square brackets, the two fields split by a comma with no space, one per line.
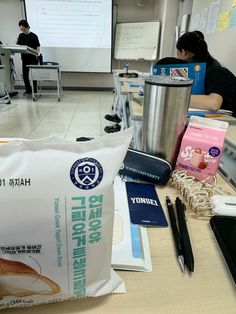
[194,71]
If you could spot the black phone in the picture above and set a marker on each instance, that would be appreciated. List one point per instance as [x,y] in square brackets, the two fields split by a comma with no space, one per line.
[224,228]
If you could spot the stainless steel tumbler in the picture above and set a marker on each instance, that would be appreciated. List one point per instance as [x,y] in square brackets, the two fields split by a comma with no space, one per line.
[166,102]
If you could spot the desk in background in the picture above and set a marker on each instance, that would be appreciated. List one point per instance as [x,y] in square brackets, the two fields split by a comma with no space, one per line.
[121,97]
[45,73]
[225,117]
[6,51]
[4,96]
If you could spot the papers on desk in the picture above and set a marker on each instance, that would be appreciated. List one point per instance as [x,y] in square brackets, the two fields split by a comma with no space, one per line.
[139,85]
[130,249]
[208,113]
[136,84]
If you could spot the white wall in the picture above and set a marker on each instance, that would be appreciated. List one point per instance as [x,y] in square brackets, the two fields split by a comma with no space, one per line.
[221,43]
[169,21]
[128,11]
[185,7]
[10,14]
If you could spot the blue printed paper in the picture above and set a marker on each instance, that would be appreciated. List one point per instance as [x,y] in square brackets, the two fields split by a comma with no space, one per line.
[137,251]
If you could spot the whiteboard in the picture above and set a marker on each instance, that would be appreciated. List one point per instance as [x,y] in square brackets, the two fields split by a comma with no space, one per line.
[134,41]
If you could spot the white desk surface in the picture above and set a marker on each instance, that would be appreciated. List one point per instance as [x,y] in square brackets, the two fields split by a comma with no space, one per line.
[19,49]
[209,290]
[47,66]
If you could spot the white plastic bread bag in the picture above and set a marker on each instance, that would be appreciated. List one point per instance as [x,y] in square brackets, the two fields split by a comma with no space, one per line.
[57,210]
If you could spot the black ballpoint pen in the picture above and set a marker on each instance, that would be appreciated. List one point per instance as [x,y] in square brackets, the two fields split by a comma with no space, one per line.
[175,232]
[184,235]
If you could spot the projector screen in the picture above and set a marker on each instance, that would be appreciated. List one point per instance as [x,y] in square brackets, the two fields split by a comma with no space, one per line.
[75,33]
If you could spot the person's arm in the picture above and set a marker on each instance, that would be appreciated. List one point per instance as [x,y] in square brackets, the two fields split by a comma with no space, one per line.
[212,101]
[18,42]
[36,43]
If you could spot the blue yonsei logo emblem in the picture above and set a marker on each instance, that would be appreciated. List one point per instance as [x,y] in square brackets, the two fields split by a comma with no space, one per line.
[86,173]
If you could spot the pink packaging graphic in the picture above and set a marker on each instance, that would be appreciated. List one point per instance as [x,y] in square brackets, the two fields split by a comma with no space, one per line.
[201,147]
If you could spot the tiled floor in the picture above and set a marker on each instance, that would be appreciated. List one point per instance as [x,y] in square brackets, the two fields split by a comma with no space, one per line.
[78,114]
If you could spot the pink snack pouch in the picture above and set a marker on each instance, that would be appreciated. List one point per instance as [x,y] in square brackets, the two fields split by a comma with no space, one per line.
[201,147]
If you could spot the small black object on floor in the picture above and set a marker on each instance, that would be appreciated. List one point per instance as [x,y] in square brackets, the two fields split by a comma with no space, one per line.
[84,139]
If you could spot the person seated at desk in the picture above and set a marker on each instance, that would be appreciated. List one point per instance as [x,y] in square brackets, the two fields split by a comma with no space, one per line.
[31,40]
[220,83]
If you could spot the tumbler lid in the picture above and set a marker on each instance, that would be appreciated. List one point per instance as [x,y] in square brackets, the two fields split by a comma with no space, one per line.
[175,81]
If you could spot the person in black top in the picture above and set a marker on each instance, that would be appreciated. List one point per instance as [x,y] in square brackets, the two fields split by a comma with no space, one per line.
[31,40]
[220,83]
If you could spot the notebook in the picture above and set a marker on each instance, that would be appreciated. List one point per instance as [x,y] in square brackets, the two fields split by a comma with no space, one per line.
[207,113]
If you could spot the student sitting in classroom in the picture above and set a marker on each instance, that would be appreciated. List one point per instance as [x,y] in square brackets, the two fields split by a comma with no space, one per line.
[220,83]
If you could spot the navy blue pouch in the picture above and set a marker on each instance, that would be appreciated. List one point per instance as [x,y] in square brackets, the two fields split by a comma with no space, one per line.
[142,166]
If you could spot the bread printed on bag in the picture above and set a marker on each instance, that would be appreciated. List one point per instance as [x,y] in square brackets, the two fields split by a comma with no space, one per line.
[20,280]
[66,214]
